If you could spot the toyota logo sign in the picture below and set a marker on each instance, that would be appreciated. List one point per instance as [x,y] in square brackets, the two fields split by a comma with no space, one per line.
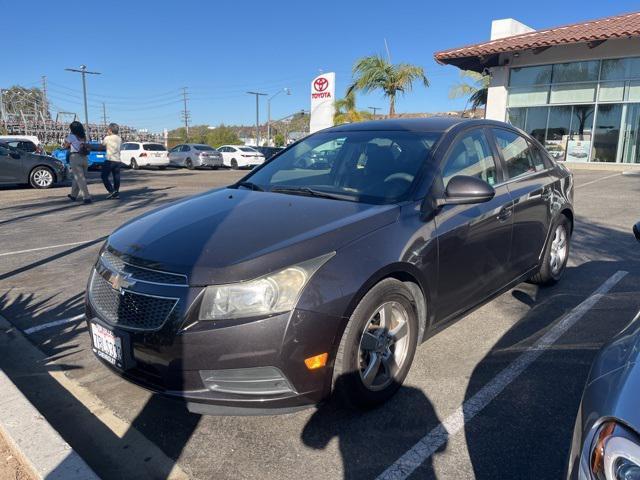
[320,84]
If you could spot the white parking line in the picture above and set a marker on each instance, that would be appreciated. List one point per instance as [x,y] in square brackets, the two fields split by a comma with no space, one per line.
[598,180]
[45,248]
[44,326]
[429,444]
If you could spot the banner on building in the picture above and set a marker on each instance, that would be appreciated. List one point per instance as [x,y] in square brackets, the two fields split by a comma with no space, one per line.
[323,96]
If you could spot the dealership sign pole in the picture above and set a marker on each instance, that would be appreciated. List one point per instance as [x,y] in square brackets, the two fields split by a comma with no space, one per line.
[323,98]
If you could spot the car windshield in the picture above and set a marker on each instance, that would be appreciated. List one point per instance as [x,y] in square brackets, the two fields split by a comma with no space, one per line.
[363,166]
[205,148]
[153,147]
[247,149]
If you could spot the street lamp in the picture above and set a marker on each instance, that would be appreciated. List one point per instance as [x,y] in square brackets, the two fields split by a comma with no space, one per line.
[288,92]
[375,109]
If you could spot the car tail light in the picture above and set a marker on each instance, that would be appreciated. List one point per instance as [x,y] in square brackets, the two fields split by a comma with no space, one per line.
[143,154]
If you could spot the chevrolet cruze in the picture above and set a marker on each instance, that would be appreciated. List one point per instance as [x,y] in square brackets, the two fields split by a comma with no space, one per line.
[322,270]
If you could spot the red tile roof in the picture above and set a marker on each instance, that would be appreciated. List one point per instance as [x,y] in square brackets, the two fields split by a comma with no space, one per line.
[620,26]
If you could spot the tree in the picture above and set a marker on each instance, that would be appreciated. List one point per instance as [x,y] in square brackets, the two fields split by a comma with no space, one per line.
[376,73]
[476,89]
[346,111]
[278,140]
[222,135]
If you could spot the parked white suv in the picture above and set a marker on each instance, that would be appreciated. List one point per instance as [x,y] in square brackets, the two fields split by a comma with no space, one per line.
[144,154]
[239,156]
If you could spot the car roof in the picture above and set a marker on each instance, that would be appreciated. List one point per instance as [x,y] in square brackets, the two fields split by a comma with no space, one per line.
[430,124]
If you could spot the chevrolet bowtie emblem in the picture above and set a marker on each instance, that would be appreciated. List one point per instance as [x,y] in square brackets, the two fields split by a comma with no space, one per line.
[120,281]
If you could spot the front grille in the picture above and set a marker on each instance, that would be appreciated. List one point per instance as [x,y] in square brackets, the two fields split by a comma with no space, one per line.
[129,309]
[141,274]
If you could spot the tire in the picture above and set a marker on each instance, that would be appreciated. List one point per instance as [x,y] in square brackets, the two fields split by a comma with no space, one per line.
[189,164]
[234,164]
[556,254]
[133,164]
[163,167]
[41,177]
[357,382]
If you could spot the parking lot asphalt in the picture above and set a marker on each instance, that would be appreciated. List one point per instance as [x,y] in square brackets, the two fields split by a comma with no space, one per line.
[459,415]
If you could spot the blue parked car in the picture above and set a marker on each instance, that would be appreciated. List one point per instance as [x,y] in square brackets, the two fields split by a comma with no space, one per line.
[96,158]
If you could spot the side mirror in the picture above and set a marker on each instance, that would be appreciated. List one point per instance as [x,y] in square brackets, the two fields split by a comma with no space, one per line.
[462,190]
[636,231]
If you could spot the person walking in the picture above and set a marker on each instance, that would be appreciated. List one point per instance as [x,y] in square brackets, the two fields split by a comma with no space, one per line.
[78,161]
[112,164]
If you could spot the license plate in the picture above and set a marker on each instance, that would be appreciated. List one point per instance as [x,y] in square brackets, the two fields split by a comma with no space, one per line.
[157,154]
[107,345]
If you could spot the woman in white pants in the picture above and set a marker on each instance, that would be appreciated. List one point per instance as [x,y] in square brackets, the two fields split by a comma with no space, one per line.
[77,161]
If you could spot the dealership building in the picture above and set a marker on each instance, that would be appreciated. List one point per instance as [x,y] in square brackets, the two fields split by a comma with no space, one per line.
[576,88]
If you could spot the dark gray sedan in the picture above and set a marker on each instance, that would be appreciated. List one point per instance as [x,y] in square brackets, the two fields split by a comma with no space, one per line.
[606,437]
[20,167]
[304,279]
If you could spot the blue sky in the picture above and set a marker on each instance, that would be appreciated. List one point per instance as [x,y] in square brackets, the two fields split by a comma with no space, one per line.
[147,50]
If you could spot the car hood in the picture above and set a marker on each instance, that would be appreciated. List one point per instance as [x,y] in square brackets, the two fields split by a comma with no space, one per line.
[230,235]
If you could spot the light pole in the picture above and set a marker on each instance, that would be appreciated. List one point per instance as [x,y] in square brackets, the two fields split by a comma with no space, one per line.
[288,92]
[83,70]
[257,94]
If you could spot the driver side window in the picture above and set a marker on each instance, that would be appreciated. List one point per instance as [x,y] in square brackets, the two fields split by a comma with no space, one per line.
[471,156]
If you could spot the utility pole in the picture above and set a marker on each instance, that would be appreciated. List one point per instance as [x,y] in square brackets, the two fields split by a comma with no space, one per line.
[104,114]
[45,100]
[83,70]
[186,115]
[257,94]
[375,109]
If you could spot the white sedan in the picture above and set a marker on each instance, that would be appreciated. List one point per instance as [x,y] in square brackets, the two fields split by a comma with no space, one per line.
[144,154]
[240,156]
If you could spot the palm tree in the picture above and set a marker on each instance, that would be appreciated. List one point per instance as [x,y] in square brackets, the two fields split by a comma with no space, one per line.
[346,111]
[476,90]
[376,73]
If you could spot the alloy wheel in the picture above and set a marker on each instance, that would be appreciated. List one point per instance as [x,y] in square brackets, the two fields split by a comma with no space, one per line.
[42,178]
[559,250]
[384,345]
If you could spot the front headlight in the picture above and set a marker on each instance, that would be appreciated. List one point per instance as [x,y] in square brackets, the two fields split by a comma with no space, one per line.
[277,292]
[615,454]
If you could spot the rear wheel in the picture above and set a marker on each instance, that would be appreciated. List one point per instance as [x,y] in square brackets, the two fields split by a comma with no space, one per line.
[41,177]
[163,167]
[555,255]
[377,347]
[234,164]
[133,164]
[189,164]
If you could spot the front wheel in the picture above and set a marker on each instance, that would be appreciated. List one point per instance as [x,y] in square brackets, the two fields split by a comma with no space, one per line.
[234,164]
[555,255]
[133,164]
[41,177]
[377,346]
[189,164]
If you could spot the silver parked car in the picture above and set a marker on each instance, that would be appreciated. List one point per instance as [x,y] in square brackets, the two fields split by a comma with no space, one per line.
[195,155]
[606,436]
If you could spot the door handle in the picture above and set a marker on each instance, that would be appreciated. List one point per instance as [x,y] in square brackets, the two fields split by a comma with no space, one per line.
[505,214]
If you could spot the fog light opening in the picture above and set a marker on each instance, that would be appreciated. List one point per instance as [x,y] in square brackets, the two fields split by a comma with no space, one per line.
[317,361]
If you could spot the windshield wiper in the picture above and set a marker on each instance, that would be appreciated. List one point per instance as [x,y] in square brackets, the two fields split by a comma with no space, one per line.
[250,186]
[310,192]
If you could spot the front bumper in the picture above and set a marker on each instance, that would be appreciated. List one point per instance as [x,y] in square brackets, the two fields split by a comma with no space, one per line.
[219,367]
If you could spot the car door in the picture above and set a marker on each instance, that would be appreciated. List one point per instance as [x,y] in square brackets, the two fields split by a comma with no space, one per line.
[11,166]
[474,240]
[174,155]
[226,155]
[530,185]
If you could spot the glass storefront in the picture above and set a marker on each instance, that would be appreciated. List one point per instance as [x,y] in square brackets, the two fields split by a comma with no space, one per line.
[581,111]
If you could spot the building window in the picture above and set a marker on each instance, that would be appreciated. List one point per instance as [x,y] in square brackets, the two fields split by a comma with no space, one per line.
[607,133]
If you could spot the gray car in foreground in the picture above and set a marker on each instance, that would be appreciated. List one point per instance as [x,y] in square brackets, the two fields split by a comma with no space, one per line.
[606,437]
[20,167]
[195,155]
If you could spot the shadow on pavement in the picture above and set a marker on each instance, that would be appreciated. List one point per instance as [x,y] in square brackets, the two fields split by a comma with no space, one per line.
[370,441]
[530,424]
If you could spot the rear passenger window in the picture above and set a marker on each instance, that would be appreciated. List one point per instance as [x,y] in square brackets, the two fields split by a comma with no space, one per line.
[517,153]
[471,156]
